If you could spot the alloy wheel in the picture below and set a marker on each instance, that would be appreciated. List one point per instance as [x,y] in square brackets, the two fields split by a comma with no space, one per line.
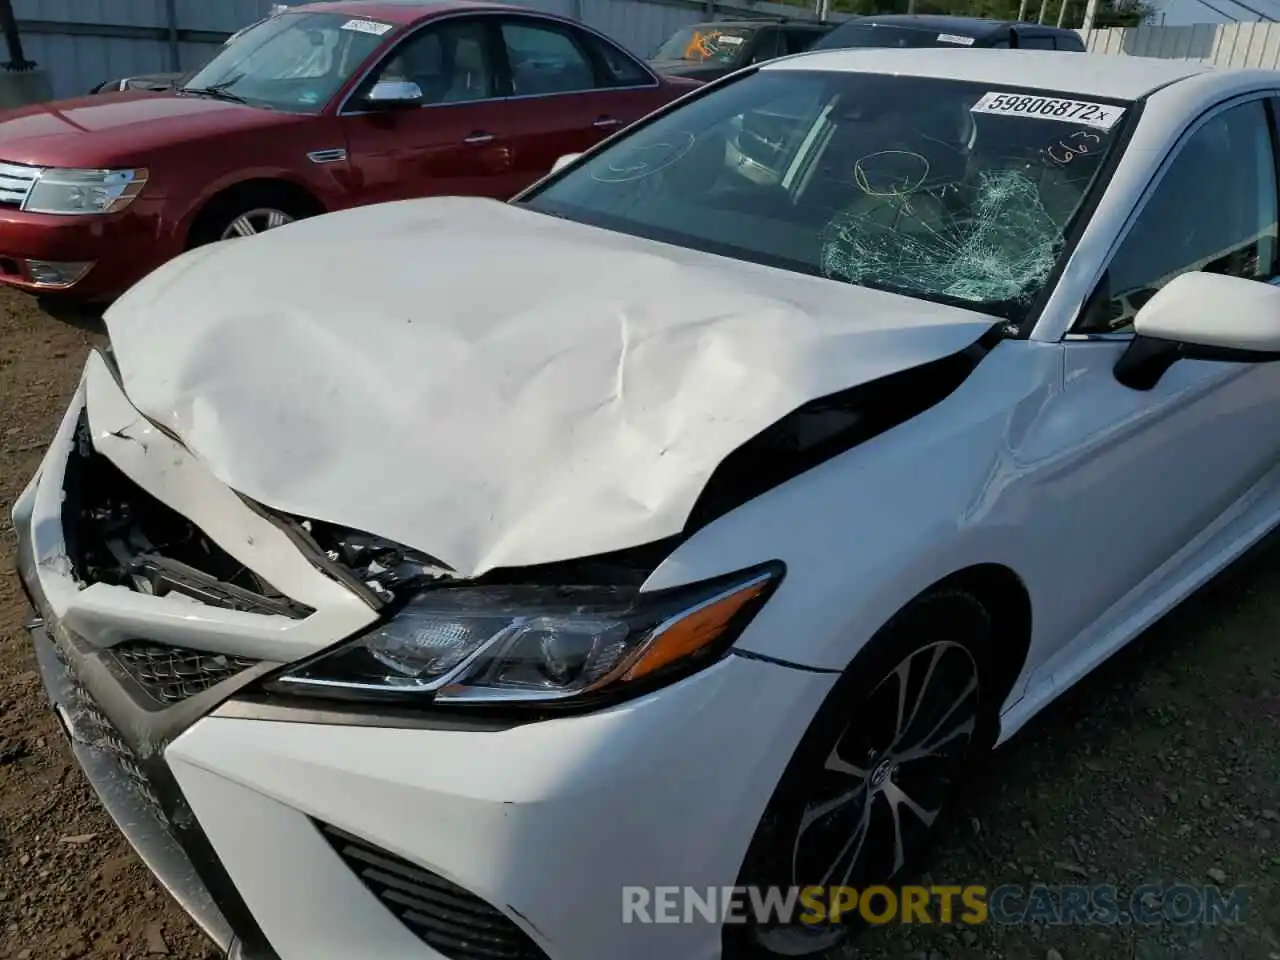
[869,809]
[255,222]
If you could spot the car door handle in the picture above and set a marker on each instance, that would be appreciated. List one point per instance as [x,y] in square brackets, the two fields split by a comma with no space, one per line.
[605,122]
[478,137]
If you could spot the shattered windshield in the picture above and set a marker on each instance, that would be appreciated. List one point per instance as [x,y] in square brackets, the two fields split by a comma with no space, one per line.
[955,192]
[704,44]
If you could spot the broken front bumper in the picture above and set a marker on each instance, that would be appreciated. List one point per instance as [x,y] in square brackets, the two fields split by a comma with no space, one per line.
[128,673]
[182,861]
[334,833]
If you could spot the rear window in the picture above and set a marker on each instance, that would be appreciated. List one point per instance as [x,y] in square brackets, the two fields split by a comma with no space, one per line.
[704,44]
[884,35]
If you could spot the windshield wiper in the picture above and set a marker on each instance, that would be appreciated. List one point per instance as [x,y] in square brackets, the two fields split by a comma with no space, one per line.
[219,91]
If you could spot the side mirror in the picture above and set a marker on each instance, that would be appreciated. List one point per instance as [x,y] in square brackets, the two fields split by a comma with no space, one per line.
[393,94]
[1202,316]
[564,161]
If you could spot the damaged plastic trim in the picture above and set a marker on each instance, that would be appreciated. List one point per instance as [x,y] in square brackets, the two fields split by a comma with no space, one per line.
[117,533]
[829,426]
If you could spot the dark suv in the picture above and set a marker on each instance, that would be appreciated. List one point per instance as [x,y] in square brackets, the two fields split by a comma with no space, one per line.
[911,30]
[706,51]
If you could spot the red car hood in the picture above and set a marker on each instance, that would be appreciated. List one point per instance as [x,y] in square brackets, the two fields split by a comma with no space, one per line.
[118,128]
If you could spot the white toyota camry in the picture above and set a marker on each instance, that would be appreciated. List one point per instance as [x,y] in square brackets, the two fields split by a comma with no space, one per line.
[424,580]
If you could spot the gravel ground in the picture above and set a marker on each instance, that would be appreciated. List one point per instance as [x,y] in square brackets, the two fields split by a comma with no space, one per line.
[1163,767]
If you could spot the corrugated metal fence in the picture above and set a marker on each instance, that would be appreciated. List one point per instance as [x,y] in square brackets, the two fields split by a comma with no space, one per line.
[83,42]
[1228,44]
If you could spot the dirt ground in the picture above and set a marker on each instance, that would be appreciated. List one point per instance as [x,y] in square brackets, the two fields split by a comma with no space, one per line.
[1163,767]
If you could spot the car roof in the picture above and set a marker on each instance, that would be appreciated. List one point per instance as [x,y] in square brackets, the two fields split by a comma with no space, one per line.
[401,11]
[743,23]
[962,26]
[1097,75]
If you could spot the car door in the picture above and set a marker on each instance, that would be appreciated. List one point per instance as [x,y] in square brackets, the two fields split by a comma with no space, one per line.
[562,96]
[628,89]
[1152,472]
[457,142]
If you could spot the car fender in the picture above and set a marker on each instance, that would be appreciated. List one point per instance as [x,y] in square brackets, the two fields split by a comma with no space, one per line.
[320,186]
[863,534]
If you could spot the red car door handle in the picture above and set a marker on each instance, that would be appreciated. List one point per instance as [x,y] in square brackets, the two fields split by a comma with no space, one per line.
[605,121]
[478,137]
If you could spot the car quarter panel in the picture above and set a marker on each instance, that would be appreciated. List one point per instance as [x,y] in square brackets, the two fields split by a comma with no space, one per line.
[1165,118]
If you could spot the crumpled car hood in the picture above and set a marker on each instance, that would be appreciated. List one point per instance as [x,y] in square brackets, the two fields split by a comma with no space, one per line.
[492,386]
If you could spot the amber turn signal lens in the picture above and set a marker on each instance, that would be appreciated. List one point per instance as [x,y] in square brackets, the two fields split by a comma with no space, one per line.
[695,629]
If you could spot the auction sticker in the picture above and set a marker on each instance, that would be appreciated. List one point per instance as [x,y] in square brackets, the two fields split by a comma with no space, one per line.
[955,38]
[367,26]
[1102,116]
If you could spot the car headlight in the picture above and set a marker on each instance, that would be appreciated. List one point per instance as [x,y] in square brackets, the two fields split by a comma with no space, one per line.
[84,191]
[536,645]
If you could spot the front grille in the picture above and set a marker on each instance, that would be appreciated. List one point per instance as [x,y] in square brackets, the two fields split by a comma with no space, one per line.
[172,674]
[16,181]
[442,914]
[101,734]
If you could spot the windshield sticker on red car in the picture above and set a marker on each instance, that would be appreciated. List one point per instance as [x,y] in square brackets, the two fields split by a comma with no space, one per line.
[955,38]
[1101,116]
[367,26]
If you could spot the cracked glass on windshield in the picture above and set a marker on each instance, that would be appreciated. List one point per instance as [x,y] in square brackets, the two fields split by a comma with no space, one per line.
[949,191]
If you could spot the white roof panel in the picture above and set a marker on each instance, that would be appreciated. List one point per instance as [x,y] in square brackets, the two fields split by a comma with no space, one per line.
[1096,75]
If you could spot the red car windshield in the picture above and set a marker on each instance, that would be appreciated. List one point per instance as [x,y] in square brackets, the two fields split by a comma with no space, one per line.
[293,61]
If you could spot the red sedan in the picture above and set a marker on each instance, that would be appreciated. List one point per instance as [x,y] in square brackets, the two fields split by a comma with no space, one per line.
[318,108]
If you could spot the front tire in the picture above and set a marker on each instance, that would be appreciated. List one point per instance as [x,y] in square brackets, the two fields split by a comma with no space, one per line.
[876,771]
[248,212]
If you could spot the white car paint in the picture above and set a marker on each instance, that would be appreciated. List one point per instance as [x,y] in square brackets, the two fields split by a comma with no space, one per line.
[641,364]
[1177,313]
[1038,458]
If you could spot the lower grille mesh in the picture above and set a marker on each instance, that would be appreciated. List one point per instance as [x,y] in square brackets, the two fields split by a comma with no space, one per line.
[442,914]
[103,736]
[172,674]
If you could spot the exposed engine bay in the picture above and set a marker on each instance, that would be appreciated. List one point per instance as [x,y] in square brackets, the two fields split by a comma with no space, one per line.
[118,534]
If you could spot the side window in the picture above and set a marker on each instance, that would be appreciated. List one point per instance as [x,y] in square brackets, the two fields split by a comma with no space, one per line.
[1072,43]
[798,40]
[1035,42]
[621,69]
[767,44]
[1215,209]
[545,59]
[449,62]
